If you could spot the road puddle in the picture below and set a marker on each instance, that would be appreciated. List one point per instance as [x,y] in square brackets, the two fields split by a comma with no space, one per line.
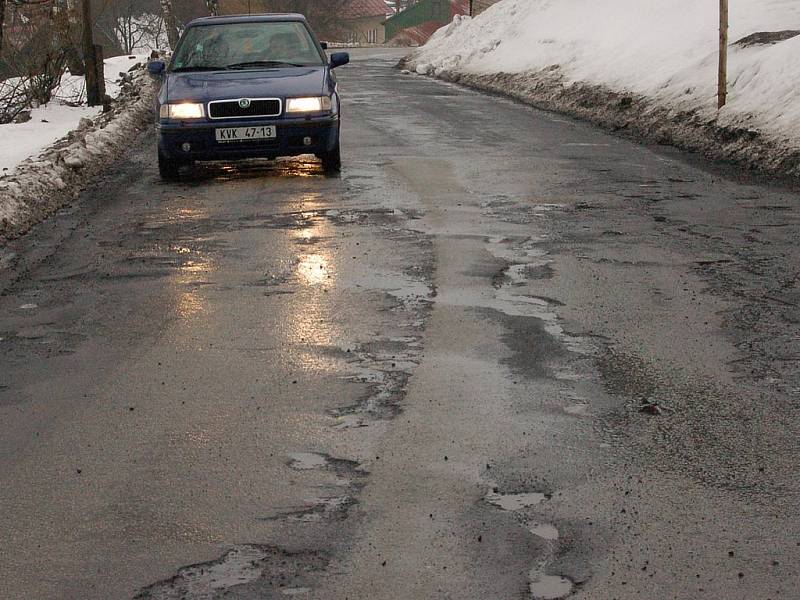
[543,530]
[314,269]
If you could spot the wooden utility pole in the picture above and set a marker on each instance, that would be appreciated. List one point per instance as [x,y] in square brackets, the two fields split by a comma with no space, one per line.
[94,93]
[722,84]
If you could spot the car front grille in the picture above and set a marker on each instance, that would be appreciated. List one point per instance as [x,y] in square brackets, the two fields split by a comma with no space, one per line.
[231,109]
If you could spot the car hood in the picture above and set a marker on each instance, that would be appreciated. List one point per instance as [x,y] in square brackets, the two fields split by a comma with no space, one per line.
[267,83]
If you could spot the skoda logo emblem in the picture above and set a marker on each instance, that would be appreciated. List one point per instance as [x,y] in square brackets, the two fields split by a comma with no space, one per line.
[244,103]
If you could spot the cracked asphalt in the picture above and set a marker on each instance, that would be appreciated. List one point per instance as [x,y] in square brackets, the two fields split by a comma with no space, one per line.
[503,355]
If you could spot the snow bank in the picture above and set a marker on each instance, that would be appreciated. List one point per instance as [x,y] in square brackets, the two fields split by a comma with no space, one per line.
[48,123]
[665,52]
[52,121]
[62,164]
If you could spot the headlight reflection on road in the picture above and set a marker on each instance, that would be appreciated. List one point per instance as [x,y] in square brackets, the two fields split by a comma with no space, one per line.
[190,304]
[195,267]
[192,273]
[317,266]
[313,269]
[311,313]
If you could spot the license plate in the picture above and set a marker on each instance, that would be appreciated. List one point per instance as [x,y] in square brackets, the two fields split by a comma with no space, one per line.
[245,134]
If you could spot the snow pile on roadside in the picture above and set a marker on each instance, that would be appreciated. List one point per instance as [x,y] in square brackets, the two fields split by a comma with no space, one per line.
[40,184]
[663,52]
[53,121]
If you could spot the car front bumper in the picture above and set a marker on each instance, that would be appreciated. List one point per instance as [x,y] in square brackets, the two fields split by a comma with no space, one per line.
[306,135]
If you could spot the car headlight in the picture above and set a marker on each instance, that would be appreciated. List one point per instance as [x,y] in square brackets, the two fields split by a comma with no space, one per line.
[307,105]
[182,110]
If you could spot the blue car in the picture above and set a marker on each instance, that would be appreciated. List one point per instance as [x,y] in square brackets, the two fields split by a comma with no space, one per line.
[250,86]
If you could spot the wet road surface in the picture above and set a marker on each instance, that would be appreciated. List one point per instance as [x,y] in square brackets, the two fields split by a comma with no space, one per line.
[504,355]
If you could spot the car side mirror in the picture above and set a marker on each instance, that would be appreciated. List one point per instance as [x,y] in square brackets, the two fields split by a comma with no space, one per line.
[324,45]
[339,58]
[156,67]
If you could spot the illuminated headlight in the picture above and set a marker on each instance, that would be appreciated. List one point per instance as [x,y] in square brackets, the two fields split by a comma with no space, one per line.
[184,110]
[307,105]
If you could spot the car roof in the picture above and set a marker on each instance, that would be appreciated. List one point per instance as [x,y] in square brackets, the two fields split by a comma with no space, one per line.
[253,18]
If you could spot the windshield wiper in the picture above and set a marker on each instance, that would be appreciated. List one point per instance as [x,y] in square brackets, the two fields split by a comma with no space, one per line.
[263,63]
[199,68]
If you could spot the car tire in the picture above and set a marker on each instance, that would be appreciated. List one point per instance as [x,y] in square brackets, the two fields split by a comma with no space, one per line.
[332,161]
[167,168]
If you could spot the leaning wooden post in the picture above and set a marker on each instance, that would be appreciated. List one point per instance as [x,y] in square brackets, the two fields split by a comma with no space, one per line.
[722,86]
[99,65]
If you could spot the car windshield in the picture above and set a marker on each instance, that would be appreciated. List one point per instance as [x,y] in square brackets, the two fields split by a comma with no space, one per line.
[246,45]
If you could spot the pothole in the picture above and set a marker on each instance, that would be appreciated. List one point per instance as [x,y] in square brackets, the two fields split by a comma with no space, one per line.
[522,256]
[303,461]
[549,587]
[251,569]
[385,373]
[348,417]
[298,591]
[308,461]
[577,410]
[515,501]
[320,509]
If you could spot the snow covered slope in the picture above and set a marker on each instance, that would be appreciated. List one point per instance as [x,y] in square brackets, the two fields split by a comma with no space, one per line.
[60,165]
[664,51]
[53,121]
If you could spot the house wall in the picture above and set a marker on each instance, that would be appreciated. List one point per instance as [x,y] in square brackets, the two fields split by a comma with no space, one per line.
[478,6]
[366,30]
[424,15]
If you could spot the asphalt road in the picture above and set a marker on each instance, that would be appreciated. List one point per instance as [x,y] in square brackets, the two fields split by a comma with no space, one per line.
[504,355]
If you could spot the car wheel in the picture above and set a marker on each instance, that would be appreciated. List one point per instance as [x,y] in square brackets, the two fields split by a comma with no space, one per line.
[332,161]
[167,168]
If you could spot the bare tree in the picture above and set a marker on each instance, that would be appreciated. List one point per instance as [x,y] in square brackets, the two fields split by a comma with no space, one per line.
[66,29]
[33,64]
[16,4]
[134,29]
[325,16]
[169,23]
[2,22]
